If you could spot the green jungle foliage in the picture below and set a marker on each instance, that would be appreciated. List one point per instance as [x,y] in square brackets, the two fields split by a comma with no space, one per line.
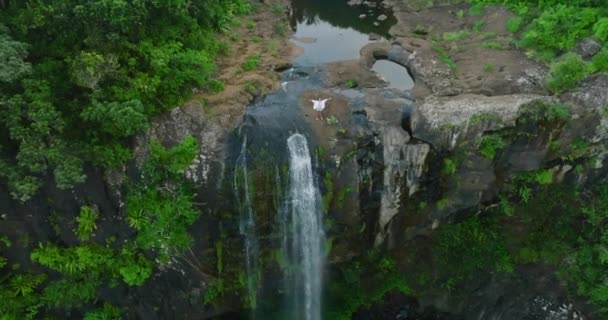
[159,208]
[552,28]
[490,145]
[569,234]
[361,282]
[466,249]
[78,77]
[566,72]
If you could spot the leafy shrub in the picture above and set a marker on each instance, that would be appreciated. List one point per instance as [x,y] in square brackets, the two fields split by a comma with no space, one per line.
[490,145]
[171,163]
[544,177]
[76,261]
[586,268]
[214,290]
[476,10]
[444,57]
[600,29]
[251,87]
[69,294]
[488,35]
[3,242]
[86,223]
[465,249]
[159,213]
[558,29]
[449,166]
[251,63]
[19,296]
[600,61]
[489,68]
[107,312]
[278,8]
[136,270]
[557,111]
[514,24]
[25,284]
[566,72]
[477,26]
[492,45]
[457,35]
[362,281]
[216,85]
[351,83]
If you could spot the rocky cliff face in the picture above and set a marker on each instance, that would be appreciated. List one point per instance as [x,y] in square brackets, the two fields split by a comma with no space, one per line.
[437,170]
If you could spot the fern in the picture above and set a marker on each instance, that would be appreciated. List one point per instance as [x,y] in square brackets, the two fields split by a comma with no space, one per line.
[86,223]
[69,294]
[600,61]
[490,145]
[601,29]
[25,284]
[107,312]
[135,271]
[566,72]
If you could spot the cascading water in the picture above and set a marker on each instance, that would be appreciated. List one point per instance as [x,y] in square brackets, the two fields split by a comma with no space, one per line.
[303,235]
[247,223]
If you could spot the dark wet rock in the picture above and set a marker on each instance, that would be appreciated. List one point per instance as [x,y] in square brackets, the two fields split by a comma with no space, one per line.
[190,120]
[283,67]
[532,292]
[588,47]
[592,92]
[524,158]
[397,306]
[531,80]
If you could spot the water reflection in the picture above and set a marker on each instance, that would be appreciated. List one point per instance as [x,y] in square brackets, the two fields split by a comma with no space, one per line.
[396,75]
[330,31]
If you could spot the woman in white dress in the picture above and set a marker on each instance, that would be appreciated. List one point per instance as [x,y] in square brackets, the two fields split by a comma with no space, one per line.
[319,106]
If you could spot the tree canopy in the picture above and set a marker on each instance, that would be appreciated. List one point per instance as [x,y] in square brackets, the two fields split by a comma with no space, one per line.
[78,77]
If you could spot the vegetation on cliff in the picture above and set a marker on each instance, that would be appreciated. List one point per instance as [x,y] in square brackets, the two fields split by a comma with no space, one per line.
[78,78]
[550,31]
[160,207]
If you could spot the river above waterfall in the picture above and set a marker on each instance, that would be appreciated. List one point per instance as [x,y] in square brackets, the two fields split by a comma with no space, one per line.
[330,31]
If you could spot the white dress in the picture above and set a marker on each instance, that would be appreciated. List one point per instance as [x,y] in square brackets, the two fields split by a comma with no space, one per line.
[319,105]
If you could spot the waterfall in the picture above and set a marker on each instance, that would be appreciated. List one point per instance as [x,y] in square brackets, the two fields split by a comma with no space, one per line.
[247,224]
[303,236]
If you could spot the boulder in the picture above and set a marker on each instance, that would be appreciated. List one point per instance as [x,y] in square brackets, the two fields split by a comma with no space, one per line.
[446,121]
[374,36]
[588,47]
